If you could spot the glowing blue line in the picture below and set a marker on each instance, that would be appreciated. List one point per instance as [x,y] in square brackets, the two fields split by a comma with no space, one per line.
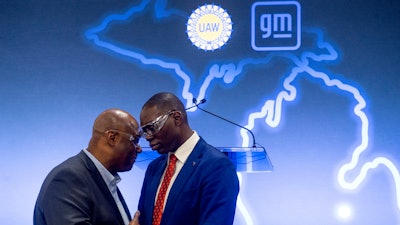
[272,109]
[272,113]
[241,206]
[92,34]
[363,173]
[228,73]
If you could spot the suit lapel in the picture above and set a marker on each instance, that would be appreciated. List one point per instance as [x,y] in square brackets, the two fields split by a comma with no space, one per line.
[102,185]
[121,198]
[184,175]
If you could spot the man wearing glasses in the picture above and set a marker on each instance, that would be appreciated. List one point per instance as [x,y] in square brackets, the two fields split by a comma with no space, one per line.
[83,189]
[191,183]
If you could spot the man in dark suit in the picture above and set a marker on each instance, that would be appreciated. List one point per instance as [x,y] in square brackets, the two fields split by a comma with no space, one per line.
[204,185]
[83,189]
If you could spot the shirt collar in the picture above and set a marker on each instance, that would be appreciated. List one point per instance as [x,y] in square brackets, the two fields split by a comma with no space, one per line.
[183,152]
[110,179]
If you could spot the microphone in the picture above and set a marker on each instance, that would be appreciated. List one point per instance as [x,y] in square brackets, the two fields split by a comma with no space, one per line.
[213,114]
[194,100]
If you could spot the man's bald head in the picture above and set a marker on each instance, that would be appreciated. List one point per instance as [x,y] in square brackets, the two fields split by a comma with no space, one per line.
[112,119]
[113,140]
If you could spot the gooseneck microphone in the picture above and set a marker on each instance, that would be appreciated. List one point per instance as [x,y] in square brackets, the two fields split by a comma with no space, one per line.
[213,114]
[194,100]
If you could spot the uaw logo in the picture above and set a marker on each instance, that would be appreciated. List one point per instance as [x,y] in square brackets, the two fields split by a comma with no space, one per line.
[209,27]
[275,26]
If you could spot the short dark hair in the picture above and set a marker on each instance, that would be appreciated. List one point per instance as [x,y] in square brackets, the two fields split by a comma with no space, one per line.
[165,101]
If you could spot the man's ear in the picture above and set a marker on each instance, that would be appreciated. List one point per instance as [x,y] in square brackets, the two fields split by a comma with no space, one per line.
[111,137]
[177,118]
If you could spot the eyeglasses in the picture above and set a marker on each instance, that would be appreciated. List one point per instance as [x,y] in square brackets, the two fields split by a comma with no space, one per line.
[134,141]
[155,126]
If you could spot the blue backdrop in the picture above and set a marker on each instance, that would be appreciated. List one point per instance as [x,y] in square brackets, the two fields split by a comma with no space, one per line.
[317,82]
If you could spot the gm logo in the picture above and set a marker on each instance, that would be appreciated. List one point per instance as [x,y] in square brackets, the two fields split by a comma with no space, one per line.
[275,26]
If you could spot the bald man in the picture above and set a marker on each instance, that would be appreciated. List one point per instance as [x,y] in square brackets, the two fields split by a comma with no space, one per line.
[83,189]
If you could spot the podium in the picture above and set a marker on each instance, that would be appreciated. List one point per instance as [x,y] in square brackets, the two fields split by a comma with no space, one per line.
[245,159]
[248,159]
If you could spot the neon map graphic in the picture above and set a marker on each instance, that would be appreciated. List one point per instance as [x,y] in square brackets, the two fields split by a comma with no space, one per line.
[313,85]
[272,110]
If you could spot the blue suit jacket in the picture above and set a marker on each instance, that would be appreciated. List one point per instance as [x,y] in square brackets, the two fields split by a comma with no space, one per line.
[75,193]
[204,192]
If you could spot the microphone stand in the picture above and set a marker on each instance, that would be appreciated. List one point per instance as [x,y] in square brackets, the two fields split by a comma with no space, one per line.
[206,111]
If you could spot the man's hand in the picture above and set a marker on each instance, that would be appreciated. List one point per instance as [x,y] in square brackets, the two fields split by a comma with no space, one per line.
[135,220]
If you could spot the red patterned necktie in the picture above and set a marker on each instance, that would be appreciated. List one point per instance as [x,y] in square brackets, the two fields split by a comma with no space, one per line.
[158,208]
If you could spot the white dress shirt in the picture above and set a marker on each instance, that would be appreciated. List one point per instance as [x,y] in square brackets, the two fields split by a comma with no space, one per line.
[182,153]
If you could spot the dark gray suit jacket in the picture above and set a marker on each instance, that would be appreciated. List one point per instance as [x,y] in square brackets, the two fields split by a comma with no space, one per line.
[75,193]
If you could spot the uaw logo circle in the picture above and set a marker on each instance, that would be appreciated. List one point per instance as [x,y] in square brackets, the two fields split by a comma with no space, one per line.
[209,27]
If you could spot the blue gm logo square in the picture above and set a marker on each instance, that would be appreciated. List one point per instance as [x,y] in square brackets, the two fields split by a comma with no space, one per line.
[275,26]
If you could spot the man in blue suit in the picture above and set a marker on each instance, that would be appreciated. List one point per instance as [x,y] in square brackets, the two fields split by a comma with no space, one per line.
[204,186]
[83,189]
